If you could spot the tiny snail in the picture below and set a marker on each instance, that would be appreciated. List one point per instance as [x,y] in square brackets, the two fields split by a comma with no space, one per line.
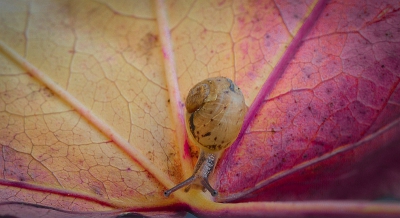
[215,110]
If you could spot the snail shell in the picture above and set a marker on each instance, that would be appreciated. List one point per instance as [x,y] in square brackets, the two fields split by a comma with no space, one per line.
[215,113]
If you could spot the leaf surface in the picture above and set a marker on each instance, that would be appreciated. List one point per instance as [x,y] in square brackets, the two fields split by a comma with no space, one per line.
[92,101]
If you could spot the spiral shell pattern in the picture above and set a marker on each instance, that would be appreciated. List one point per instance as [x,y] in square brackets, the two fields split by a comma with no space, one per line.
[215,113]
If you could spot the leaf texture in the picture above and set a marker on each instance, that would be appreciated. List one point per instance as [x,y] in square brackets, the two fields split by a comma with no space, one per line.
[92,100]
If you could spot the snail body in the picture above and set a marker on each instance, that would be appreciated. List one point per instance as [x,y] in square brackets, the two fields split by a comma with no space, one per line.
[215,110]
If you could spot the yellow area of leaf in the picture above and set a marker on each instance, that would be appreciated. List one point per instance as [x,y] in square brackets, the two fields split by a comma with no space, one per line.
[93,121]
[111,64]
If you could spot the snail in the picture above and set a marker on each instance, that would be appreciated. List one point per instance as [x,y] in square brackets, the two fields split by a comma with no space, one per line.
[215,110]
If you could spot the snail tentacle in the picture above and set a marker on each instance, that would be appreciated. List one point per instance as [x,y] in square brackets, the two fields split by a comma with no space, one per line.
[179,186]
[205,165]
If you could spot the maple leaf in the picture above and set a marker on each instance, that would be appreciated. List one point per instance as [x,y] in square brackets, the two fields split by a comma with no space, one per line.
[92,92]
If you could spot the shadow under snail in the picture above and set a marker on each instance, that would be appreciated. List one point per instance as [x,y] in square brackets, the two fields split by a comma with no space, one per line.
[215,110]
